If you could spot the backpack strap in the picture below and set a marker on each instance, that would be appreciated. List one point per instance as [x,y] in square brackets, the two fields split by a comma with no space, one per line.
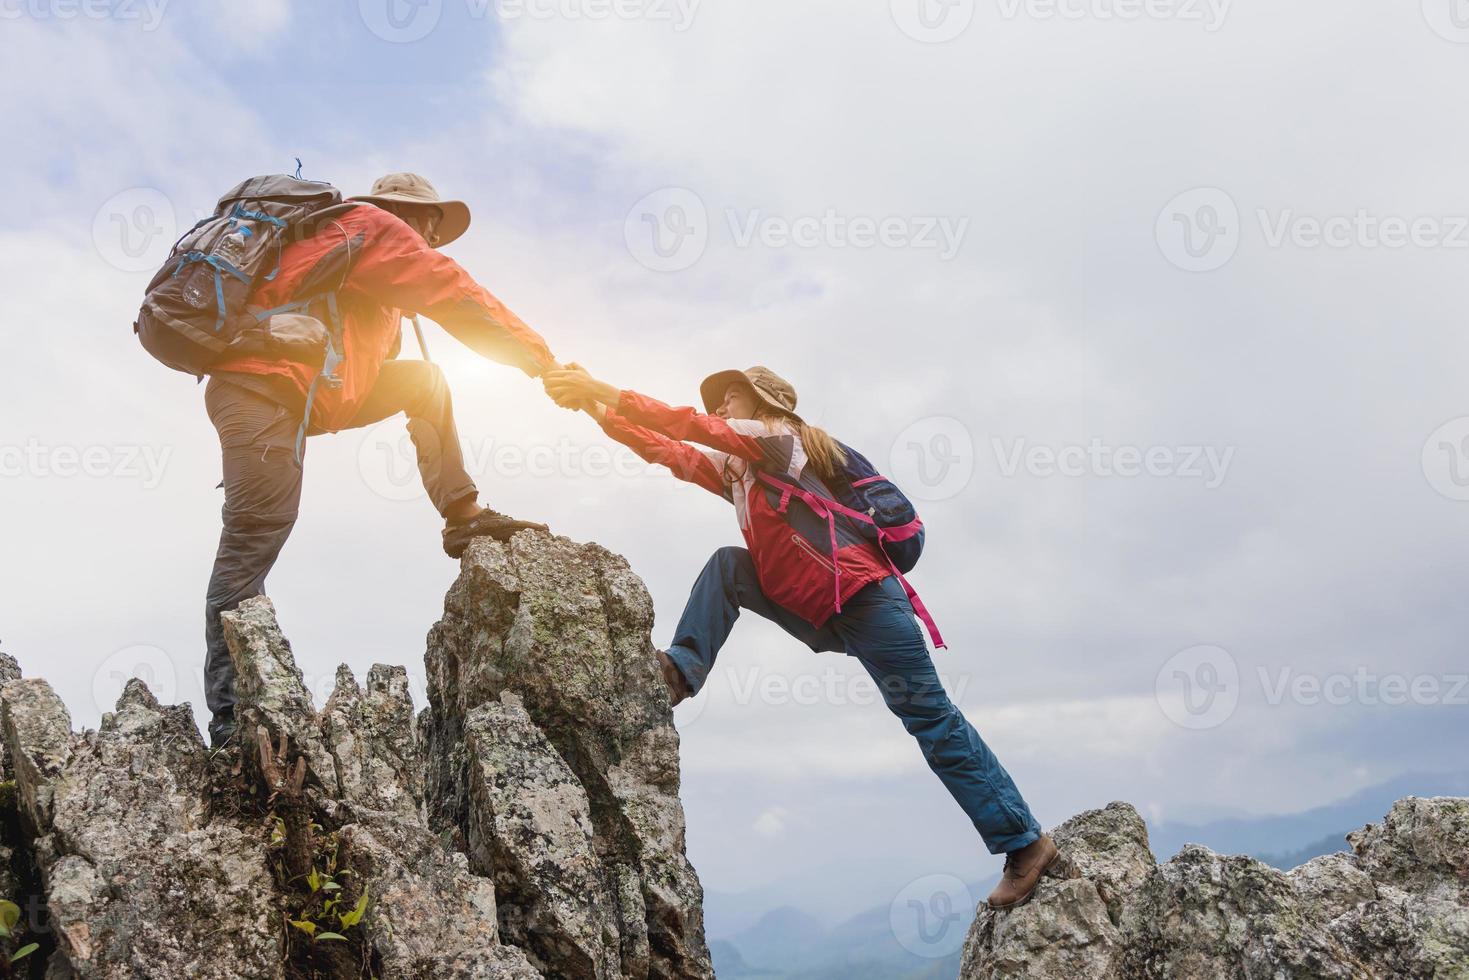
[828,510]
[333,360]
[220,267]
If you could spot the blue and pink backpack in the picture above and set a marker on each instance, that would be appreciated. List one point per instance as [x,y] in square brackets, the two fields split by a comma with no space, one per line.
[879,511]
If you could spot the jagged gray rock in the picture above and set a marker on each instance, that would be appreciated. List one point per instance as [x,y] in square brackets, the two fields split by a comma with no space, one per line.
[431,917]
[372,738]
[1394,908]
[37,743]
[547,839]
[138,883]
[557,763]
[271,691]
[565,627]
[530,826]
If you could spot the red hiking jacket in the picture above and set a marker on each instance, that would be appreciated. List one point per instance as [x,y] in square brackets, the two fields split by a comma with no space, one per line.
[380,268]
[805,563]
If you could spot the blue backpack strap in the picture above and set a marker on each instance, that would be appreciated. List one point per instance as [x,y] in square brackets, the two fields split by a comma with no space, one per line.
[328,372]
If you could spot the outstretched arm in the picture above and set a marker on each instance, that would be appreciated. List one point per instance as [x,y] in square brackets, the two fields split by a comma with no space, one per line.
[572,383]
[399,269]
[573,387]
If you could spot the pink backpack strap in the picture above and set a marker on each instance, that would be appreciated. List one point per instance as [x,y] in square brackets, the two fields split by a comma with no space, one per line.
[829,509]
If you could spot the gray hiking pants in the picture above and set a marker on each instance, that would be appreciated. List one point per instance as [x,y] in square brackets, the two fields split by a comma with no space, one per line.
[262,488]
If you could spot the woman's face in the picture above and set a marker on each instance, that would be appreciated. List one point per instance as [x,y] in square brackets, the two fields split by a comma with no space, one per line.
[739,403]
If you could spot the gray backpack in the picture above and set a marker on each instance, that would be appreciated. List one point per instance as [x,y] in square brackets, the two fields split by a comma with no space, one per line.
[194,313]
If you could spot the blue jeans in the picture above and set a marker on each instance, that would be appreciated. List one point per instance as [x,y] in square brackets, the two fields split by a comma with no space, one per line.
[877,627]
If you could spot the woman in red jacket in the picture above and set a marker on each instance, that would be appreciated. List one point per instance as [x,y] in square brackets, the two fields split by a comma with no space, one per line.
[821,581]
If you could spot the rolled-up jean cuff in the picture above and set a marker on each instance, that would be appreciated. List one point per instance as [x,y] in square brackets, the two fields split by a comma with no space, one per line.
[1004,845]
[689,666]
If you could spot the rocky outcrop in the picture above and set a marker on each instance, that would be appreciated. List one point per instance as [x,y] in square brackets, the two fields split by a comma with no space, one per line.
[1396,906]
[553,757]
[527,824]
[137,880]
[556,845]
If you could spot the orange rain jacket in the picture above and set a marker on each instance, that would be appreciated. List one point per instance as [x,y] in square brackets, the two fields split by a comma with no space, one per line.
[379,268]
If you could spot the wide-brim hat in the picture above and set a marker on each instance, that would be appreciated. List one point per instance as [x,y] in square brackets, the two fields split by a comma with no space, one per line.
[770,389]
[406,188]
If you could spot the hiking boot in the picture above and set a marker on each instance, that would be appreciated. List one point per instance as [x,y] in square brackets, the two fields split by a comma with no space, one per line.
[486,524]
[1023,870]
[678,688]
[221,731]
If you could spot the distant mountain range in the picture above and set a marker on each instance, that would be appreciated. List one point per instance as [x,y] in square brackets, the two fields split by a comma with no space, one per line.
[788,942]
[1288,833]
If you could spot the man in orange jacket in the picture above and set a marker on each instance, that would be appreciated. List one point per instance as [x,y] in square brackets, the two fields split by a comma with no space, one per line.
[379,261]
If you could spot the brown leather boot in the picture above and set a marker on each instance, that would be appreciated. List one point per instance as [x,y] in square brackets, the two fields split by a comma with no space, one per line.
[1023,870]
[678,688]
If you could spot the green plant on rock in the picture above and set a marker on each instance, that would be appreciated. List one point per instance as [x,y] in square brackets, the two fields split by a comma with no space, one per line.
[9,921]
[323,903]
[327,914]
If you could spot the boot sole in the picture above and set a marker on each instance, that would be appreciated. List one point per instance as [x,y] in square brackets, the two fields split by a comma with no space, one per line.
[1030,894]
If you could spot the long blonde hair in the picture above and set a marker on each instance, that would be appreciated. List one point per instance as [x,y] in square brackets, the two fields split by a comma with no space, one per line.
[823,453]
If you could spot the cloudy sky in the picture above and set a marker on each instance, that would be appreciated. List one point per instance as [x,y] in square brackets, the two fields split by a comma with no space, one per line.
[1155,307]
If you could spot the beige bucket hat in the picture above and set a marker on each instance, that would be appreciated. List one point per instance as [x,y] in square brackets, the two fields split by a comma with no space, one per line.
[770,388]
[406,188]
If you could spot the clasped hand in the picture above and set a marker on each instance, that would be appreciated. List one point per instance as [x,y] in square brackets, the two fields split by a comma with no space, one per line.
[572,386]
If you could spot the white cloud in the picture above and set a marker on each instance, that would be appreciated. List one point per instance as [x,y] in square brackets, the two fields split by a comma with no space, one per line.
[771,822]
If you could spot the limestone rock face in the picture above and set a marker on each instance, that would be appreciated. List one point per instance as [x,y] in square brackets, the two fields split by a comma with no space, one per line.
[1396,907]
[564,628]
